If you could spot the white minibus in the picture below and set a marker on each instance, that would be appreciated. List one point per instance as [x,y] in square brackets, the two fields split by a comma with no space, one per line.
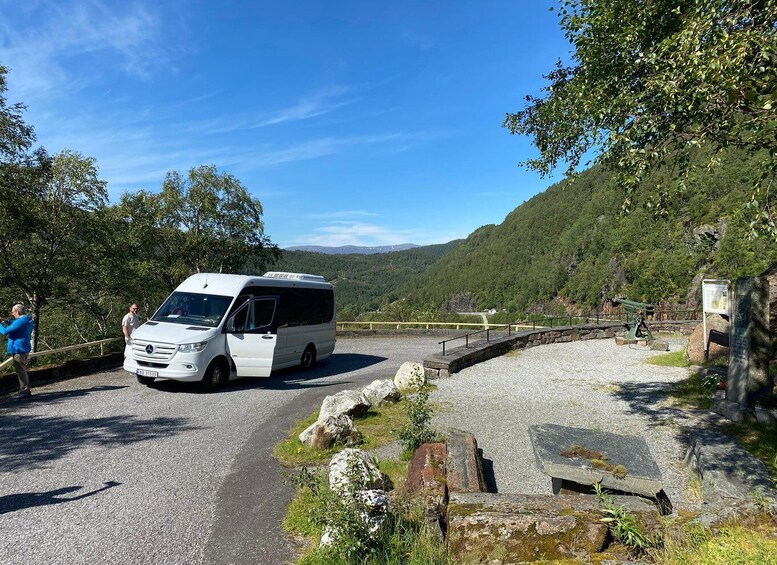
[214,328]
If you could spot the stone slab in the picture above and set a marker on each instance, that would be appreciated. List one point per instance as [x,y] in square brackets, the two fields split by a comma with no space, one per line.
[727,470]
[463,464]
[731,410]
[426,481]
[517,528]
[642,475]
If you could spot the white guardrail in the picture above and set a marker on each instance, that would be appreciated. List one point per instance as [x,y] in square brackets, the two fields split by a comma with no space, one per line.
[62,349]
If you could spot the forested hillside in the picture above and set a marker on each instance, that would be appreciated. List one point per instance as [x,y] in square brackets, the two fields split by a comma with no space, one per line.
[361,280]
[573,247]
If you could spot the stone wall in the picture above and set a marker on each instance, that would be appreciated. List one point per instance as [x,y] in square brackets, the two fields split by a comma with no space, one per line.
[441,366]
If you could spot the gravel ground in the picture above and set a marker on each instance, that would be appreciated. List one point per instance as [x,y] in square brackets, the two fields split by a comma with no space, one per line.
[587,384]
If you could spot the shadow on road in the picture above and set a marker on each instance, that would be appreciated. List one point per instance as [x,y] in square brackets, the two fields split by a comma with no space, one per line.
[58,396]
[14,502]
[286,379]
[30,441]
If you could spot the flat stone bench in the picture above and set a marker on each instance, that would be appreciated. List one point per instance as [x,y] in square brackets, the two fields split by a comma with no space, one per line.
[584,457]
[441,366]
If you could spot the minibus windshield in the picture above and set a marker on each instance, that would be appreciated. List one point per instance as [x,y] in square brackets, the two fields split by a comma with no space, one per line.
[193,309]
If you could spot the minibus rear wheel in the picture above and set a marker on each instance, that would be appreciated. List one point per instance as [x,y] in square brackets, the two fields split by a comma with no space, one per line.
[308,357]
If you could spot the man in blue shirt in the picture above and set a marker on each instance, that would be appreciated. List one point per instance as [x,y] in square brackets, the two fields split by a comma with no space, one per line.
[18,334]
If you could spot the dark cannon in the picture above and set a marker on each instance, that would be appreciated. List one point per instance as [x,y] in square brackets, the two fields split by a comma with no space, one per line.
[640,311]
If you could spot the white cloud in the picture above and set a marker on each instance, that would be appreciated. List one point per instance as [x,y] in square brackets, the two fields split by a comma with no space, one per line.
[363,234]
[317,104]
[345,233]
[340,214]
[41,39]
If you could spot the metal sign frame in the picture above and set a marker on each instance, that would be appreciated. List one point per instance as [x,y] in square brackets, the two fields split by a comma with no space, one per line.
[716,299]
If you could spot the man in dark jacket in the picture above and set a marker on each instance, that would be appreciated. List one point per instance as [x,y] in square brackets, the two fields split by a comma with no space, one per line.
[18,334]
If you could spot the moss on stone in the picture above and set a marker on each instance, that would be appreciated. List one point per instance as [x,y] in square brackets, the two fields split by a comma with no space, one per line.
[584,452]
[619,472]
[597,459]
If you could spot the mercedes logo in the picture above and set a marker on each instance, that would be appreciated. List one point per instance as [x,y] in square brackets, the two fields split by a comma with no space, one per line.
[149,349]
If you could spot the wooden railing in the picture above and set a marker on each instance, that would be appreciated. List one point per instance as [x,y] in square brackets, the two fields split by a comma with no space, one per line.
[423,325]
[99,343]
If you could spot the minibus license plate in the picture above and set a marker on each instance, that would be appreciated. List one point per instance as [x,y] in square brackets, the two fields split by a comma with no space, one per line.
[145,373]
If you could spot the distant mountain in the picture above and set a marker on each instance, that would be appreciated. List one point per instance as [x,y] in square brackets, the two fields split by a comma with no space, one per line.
[361,280]
[346,249]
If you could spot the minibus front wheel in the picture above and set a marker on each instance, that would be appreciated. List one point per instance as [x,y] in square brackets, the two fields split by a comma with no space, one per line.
[308,357]
[216,375]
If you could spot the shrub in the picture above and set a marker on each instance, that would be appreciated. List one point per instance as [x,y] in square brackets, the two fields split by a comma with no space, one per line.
[417,430]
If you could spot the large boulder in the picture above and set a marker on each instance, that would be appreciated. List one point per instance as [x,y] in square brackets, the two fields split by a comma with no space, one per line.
[352,470]
[324,434]
[381,392]
[410,377]
[717,334]
[374,505]
[349,402]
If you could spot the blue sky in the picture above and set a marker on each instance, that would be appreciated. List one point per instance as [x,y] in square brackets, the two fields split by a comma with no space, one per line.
[354,122]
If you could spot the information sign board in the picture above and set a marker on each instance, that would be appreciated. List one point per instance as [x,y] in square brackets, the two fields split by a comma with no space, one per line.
[715,294]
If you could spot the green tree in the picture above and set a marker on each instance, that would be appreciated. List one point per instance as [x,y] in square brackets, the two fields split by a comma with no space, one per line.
[16,137]
[204,221]
[650,81]
[48,238]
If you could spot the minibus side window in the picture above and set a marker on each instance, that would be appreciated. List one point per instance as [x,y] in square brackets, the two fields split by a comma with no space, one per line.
[237,321]
[262,314]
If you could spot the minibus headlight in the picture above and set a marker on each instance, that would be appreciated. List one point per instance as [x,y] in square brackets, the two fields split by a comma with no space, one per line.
[192,347]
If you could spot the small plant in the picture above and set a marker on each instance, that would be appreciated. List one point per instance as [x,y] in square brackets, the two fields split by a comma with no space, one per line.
[338,516]
[416,431]
[694,486]
[317,510]
[761,501]
[621,522]
[712,382]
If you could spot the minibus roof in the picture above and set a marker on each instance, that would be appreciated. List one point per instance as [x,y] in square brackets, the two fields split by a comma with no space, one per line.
[231,285]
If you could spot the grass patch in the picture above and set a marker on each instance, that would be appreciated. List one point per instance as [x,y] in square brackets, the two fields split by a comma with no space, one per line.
[759,440]
[381,425]
[394,470]
[405,540]
[730,545]
[671,359]
[690,393]
[302,514]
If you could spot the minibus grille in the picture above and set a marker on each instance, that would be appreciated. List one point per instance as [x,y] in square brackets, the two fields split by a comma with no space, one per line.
[152,351]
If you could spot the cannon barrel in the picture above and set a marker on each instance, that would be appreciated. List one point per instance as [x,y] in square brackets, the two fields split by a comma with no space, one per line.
[634,305]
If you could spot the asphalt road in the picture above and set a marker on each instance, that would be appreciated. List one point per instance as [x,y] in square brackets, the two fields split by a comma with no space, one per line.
[101,469]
